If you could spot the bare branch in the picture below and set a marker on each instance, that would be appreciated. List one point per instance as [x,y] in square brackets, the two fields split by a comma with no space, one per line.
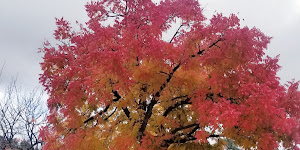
[117,98]
[200,52]
[175,33]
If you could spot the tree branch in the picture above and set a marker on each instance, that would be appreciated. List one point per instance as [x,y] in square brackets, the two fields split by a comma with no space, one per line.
[110,114]
[100,113]
[117,95]
[171,108]
[117,98]
[152,103]
[184,127]
[214,135]
[200,52]
[214,44]
[146,118]
[194,130]
[175,34]
[188,137]
[127,112]
[157,94]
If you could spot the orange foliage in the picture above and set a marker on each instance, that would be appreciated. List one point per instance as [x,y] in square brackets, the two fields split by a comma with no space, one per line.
[122,86]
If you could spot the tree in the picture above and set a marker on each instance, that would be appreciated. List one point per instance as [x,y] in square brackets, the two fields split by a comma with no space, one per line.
[21,116]
[10,116]
[117,84]
[33,117]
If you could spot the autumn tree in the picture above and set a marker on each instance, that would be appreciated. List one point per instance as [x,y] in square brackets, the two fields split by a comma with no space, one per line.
[118,84]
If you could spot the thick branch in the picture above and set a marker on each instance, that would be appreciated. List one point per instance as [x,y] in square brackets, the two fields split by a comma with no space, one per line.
[157,94]
[194,130]
[127,112]
[146,118]
[187,137]
[152,103]
[143,105]
[214,135]
[184,127]
[171,108]
[117,95]
[100,113]
[110,114]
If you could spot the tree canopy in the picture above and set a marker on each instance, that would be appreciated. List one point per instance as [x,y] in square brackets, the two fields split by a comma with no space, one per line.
[116,83]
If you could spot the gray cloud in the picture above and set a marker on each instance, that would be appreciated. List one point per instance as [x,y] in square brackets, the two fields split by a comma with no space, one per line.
[24,26]
[276,18]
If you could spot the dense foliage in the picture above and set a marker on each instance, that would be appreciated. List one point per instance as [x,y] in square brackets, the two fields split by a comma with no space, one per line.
[117,84]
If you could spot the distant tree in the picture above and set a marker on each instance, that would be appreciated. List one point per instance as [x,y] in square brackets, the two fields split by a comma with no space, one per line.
[24,145]
[122,86]
[33,117]
[230,145]
[21,116]
[10,116]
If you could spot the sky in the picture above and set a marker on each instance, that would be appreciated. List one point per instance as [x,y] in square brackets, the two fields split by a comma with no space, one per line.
[25,25]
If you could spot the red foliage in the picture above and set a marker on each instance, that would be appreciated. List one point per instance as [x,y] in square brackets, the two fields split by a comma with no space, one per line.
[123,86]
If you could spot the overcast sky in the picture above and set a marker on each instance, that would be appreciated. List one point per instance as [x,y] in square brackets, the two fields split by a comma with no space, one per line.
[25,24]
